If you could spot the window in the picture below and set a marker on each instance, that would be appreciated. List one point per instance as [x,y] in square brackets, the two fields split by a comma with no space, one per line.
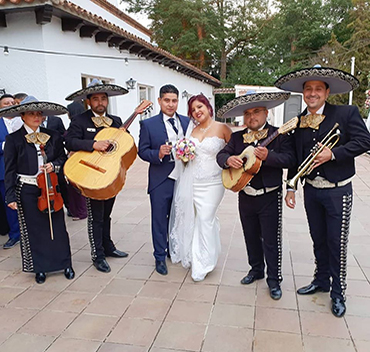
[145,93]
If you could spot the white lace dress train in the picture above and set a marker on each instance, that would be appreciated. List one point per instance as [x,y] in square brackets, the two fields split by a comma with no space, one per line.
[194,227]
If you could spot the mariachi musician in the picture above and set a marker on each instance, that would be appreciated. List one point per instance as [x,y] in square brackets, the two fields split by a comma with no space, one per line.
[328,188]
[80,136]
[44,238]
[260,202]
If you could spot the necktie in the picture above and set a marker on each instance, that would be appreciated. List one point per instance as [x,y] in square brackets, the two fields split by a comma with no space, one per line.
[313,121]
[102,121]
[37,138]
[172,122]
[252,136]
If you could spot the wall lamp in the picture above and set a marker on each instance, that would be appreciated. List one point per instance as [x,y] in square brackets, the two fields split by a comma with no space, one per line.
[131,84]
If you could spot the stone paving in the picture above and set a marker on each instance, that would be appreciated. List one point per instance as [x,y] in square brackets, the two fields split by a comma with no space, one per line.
[134,309]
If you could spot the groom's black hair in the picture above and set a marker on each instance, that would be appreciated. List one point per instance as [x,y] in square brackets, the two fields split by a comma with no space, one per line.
[168,88]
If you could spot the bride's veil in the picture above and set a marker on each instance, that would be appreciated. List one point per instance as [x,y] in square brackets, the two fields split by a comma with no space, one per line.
[181,224]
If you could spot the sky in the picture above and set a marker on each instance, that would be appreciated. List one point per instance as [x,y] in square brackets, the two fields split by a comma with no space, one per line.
[142,19]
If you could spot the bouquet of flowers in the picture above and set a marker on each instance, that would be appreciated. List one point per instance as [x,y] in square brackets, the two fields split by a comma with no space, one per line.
[185,150]
[367,101]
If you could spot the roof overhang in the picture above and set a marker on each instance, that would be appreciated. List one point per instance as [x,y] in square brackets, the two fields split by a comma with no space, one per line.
[88,25]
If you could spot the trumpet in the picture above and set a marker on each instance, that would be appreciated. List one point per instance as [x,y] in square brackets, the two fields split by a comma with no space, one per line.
[330,140]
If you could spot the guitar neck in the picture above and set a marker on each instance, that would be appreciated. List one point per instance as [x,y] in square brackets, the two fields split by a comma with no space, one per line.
[129,121]
[268,140]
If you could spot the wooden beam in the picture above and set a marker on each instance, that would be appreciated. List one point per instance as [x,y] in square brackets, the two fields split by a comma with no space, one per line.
[160,58]
[71,24]
[88,31]
[135,48]
[2,19]
[103,36]
[115,41]
[44,14]
[126,44]
[144,52]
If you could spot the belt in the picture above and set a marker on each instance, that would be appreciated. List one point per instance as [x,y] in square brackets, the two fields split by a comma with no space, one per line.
[322,183]
[250,191]
[29,180]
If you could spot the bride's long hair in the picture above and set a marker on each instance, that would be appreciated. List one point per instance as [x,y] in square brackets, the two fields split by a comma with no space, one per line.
[203,99]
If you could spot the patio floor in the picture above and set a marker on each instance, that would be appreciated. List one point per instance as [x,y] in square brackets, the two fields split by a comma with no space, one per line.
[134,309]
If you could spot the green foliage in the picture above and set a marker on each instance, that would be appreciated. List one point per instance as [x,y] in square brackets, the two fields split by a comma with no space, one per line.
[249,42]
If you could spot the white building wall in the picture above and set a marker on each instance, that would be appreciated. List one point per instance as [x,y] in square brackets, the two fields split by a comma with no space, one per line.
[53,77]
[96,9]
[276,115]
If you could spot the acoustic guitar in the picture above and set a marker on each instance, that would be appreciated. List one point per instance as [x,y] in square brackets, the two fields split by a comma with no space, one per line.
[237,179]
[101,175]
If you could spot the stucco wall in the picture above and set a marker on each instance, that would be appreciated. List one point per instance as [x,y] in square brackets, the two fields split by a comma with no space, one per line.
[53,77]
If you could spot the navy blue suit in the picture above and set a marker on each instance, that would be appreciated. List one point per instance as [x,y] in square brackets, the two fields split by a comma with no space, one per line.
[11,214]
[153,134]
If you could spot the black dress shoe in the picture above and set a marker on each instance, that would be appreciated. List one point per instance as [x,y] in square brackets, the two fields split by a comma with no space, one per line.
[102,265]
[246,280]
[338,307]
[161,267]
[40,278]
[310,289]
[117,254]
[275,292]
[10,243]
[69,273]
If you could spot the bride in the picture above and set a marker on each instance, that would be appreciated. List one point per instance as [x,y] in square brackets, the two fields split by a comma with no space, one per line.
[194,238]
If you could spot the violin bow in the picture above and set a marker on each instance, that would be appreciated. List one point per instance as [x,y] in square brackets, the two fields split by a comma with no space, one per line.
[42,146]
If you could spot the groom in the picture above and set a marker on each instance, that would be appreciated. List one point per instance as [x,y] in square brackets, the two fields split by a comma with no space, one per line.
[167,126]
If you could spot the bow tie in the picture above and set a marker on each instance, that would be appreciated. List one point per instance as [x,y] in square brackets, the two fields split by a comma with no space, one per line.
[312,121]
[253,136]
[101,121]
[37,138]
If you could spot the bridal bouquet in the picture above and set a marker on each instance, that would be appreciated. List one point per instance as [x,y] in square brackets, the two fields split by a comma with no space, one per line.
[367,101]
[185,150]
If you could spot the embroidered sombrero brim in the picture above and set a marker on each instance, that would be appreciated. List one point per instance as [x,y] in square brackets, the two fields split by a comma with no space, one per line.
[237,106]
[110,89]
[47,109]
[339,81]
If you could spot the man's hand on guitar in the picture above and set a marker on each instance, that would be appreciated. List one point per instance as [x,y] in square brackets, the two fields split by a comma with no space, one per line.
[235,162]
[261,153]
[164,150]
[101,146]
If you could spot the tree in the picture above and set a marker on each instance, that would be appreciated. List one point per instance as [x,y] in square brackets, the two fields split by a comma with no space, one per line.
[338,54]
[204,32]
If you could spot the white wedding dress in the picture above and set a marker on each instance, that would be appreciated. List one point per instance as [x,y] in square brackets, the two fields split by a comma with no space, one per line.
[194,238]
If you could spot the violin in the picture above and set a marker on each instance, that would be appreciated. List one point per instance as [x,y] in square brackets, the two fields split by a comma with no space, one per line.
[50,200]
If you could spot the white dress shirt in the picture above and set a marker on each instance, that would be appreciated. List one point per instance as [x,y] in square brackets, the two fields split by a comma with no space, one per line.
[12,125]
[40,159]
[170,131]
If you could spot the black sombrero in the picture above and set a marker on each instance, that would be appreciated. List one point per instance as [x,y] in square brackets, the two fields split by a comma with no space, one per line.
[339,81]
[237,106]
[30,103]
[96,86]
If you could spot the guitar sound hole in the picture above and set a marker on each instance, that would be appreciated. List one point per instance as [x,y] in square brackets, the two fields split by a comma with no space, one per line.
[111,148]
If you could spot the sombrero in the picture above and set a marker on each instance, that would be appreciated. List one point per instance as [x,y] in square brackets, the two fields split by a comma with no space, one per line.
[30,103]
[237,106]
[96,86]
[338,80]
